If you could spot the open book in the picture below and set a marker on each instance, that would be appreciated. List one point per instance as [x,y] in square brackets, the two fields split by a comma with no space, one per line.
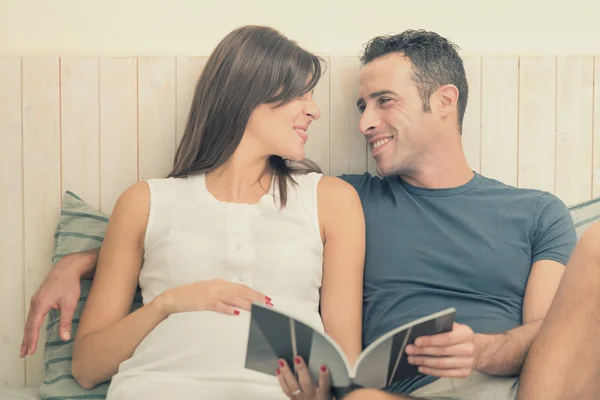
[274,335]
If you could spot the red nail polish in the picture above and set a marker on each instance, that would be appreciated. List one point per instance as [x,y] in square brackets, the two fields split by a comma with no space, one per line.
[267,298]
[269,304]
[297,360]
[236,312]
[323,368]
[281,364]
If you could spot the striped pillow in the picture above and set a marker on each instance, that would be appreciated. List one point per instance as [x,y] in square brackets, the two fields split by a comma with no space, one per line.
[81,227]
[585,214]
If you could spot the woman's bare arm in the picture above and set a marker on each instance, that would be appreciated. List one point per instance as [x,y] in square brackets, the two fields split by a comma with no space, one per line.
[107,332]
[343,229]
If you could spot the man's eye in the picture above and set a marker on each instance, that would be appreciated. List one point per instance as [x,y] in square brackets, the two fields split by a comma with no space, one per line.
[361,108]
[382,100]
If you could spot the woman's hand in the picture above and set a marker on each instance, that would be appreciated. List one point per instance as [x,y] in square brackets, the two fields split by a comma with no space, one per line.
[213,295]
[303,388]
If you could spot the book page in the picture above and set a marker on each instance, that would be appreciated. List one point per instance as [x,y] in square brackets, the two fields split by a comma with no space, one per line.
[385,360]
[274,335]
[323,353]
[372,367]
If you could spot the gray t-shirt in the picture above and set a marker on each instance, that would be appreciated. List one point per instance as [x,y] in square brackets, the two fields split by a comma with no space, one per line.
[469,247]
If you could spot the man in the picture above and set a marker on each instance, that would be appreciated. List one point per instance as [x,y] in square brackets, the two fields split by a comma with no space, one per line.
[438,235]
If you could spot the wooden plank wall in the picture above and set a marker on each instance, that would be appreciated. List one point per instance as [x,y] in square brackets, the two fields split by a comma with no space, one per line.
[97,125]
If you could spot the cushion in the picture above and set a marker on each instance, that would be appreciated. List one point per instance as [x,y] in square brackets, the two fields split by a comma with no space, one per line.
[585,214]
[80,227]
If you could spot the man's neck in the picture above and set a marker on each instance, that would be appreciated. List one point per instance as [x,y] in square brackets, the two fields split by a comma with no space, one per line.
[442,168]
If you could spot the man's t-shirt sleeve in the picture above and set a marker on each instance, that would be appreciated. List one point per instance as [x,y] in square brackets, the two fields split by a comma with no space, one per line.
[554,236]
[360,182]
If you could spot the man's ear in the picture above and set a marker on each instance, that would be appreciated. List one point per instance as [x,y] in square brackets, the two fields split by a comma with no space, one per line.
[448,100]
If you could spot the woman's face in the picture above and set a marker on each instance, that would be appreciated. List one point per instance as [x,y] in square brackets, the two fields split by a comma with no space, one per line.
[282,131]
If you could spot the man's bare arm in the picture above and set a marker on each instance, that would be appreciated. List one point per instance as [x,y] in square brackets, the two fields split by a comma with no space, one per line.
[504,354]
[85,262]
[60,290]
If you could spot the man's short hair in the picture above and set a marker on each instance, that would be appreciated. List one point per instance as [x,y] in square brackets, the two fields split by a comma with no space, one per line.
[435,62]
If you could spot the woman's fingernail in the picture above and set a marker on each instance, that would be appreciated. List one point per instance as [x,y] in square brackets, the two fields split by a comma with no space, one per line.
[281,364]
[297,360]
[236,312]
[66,336]
[267,298]
[323,368]
[269,304]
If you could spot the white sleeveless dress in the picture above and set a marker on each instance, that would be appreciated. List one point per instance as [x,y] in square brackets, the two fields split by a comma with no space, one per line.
[191,236]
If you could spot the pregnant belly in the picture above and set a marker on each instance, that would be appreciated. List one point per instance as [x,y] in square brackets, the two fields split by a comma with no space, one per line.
[198,345]
[202,346]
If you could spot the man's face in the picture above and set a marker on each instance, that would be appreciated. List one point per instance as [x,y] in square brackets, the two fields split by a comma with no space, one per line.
[395,126]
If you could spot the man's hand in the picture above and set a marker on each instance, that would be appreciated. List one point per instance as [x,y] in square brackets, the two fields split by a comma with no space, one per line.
[446,355]
[60,291]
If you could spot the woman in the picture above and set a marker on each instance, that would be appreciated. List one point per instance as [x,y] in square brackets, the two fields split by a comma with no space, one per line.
[234,223]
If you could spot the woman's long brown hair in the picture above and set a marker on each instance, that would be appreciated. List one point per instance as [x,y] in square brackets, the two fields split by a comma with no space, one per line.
[252,65]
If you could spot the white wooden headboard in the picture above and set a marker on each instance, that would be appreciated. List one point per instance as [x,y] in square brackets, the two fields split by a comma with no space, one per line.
[97,125]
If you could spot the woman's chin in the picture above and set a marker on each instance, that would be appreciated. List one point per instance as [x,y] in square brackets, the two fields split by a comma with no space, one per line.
[294,156]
